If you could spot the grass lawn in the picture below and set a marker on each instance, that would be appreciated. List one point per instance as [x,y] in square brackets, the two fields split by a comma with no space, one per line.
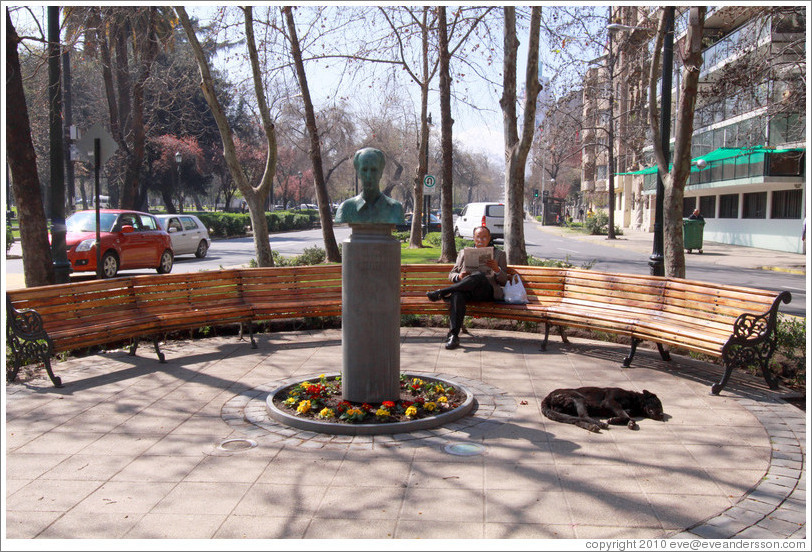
[423,255]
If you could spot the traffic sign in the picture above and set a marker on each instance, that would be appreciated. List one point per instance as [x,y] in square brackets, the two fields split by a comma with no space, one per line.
[85,144]
[428,184]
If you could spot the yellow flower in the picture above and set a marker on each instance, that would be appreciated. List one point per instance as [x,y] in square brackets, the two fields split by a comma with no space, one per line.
[290,401]
[304,407]
[326,413]
[382,412]
[430,406]
[411,411]
[442,399]
[417,381]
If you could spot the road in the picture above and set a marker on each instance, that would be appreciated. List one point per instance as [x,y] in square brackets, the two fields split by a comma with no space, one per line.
[539,242]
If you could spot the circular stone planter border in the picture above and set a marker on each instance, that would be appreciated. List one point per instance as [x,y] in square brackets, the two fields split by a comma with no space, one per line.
[335,428]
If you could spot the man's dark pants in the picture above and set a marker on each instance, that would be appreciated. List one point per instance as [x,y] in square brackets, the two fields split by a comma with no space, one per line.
[475,287]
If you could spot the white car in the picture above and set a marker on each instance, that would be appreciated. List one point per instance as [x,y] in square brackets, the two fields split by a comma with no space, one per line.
[189,235]
[474,215]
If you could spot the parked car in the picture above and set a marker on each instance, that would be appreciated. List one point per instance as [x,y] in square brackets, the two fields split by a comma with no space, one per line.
[129,239]
[434,224]
[189,234]
[487,214]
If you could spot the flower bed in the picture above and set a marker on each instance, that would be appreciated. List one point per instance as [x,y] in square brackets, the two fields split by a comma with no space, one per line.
[321,400]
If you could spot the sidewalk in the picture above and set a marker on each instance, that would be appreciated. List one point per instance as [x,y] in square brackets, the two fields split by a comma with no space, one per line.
[713,253]
[131,449]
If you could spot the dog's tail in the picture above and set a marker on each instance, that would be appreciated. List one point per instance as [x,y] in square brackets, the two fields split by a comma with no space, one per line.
[589,424]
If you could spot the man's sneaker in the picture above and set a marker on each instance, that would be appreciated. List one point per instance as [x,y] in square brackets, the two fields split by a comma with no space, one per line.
[433,295]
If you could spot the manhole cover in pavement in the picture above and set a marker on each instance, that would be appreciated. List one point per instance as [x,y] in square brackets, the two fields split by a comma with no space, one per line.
[236,445]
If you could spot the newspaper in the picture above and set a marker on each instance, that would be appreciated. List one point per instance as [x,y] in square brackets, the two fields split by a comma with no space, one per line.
[475,257]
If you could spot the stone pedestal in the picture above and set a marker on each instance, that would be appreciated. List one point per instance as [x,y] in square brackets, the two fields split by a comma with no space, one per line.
[370,315]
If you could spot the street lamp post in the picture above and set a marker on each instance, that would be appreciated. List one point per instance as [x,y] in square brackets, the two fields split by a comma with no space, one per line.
[656,261]
[427,197]
[611,156]
[178,160]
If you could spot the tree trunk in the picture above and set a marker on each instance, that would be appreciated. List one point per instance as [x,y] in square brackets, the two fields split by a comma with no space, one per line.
[322,198]
[674,181]
[37,264]
[449,248]
[416,238]
[517,148]
[254,197]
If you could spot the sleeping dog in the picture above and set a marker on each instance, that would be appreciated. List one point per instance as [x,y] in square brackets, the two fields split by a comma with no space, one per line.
[584,405]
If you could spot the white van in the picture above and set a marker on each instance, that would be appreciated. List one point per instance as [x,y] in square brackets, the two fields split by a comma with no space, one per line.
[473,215]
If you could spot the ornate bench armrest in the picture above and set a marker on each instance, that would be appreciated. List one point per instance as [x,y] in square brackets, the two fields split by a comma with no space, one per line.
[28,341]
[754,341]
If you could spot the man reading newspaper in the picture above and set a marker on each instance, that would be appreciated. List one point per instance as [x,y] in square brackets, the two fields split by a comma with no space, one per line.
[478,275]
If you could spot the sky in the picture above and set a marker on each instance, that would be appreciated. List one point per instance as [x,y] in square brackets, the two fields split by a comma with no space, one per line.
[479,130]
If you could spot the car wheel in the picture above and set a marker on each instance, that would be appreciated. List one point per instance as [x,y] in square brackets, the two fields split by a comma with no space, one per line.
[109,265]
[166,263]
[202,249]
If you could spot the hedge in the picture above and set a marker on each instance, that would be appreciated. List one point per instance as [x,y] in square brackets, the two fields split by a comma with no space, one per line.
[224,225]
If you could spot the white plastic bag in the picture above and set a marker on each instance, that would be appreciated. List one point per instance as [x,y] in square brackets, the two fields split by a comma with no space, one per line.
[514,291]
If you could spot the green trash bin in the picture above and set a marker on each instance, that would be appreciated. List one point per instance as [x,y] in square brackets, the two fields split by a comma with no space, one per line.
[692,231]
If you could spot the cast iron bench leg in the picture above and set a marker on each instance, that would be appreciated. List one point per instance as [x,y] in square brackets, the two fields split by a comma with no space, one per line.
[665,355]
[546,336]
[628,360]
[134,346]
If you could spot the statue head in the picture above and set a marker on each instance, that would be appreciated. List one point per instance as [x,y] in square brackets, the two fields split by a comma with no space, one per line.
[369,164]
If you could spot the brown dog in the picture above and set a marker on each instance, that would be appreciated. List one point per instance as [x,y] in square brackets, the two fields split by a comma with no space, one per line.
[583,405]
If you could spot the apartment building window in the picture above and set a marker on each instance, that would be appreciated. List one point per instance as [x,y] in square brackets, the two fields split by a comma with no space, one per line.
[707,206]
[602,173]
[729,206]
[755,205]
[787,204]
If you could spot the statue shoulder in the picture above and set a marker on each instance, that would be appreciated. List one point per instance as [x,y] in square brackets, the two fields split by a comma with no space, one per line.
[347,208]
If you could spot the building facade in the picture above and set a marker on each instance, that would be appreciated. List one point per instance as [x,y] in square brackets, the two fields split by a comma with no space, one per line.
[749,125]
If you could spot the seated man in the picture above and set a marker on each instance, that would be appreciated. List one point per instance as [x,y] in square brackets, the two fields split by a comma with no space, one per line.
[477,286]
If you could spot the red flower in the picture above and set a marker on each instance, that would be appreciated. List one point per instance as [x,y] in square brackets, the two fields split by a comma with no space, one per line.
[388,404]
[343,406]
[367,407]
[407,404]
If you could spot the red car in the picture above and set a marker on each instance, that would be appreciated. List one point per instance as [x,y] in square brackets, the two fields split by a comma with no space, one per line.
[129,239]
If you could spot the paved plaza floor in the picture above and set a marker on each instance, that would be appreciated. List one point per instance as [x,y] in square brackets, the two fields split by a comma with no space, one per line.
[134,449]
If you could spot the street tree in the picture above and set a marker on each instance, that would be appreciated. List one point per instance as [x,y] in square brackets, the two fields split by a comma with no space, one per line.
[173,181]
[674,180]
[37,263]
[319,182]
[127,39]
[255,196]
[517,147]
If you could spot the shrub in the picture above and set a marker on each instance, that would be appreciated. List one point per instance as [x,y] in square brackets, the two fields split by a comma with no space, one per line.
[9,236]
[598,225]
[310,256]
[791,334]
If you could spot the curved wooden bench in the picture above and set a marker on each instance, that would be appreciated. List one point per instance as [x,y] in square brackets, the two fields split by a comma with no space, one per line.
[735,324]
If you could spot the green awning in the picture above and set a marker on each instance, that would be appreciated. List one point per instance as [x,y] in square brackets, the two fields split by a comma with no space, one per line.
[723,155]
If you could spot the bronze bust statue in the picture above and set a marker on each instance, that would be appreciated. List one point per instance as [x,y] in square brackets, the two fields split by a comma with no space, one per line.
[370,206]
